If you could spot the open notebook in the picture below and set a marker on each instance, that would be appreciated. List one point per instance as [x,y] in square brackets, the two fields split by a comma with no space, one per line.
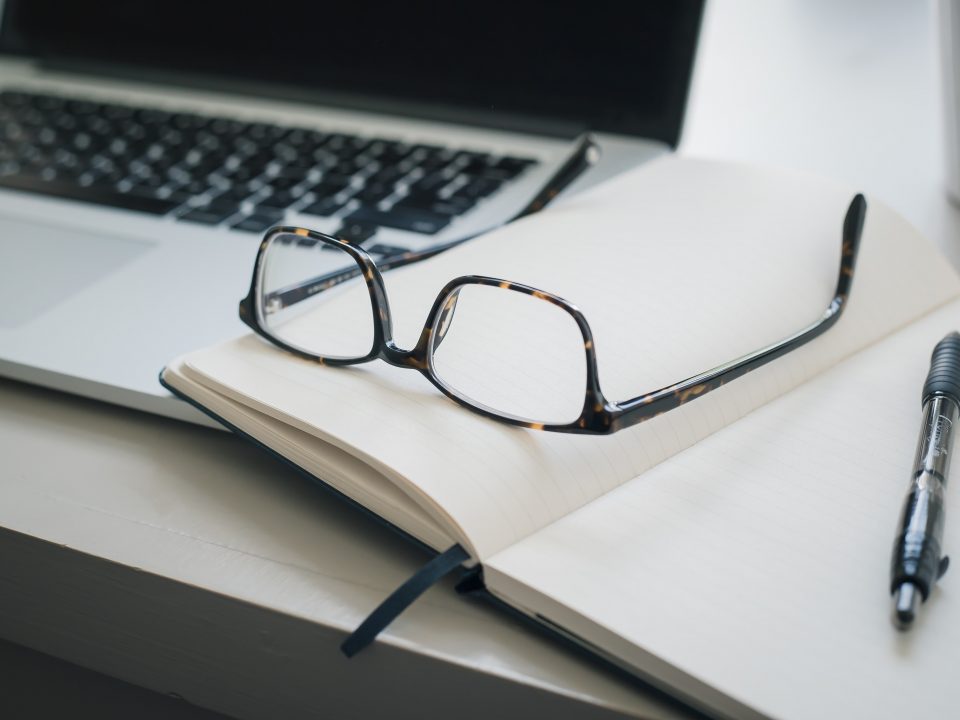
[733,551]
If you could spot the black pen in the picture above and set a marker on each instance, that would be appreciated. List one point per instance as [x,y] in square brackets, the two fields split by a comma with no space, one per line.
[917,564]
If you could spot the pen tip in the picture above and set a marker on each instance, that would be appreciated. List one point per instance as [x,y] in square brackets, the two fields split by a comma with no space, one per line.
[905,601]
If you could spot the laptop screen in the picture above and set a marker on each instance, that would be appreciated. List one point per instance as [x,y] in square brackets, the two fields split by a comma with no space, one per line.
[603,65]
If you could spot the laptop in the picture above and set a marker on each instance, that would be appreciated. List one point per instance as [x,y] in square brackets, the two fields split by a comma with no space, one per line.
[145,148]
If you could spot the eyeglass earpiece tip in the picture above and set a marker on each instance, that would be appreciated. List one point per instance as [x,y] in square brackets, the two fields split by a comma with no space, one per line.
[856,215]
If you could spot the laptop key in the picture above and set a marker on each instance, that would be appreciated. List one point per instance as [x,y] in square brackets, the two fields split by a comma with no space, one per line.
[394,152]
[325,189]
[147,185]
[206,216]
[428,201]
[173,195]
[236,193]
[386,250]
[373,193]
[514,163]
[477,188]
[257,222]
[283,182]
[496,174]
[334,178]
[278,201]
[431,182]
[348,167]
[386,175]
[355,231]
[224,204]
[324,208]
[451,206]
[401,218]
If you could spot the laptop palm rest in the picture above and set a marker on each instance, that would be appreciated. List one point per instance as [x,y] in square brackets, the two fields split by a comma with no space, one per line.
[43,265]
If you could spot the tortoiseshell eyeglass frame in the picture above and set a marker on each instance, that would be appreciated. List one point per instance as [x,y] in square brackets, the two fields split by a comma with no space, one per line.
[598,415]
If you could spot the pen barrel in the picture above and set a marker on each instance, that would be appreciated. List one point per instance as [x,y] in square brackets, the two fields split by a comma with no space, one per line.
[935,446]
[916,550]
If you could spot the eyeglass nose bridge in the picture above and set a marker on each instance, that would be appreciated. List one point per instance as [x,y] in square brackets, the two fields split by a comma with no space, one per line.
[445,319]
[397,356]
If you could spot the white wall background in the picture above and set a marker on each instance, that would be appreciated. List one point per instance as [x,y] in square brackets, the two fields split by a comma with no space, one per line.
[849,89]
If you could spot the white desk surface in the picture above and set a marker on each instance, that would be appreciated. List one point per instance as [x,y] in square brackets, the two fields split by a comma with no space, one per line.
[183,560]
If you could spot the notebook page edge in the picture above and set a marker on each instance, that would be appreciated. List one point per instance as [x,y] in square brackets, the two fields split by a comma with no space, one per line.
[339,472]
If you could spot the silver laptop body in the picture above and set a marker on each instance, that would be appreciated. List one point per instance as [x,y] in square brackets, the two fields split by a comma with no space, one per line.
[95,297]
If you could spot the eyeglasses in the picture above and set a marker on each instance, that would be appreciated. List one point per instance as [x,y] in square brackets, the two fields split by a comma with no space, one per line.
[502,349]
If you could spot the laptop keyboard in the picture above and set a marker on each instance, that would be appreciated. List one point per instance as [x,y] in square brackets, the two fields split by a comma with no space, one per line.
[242,175]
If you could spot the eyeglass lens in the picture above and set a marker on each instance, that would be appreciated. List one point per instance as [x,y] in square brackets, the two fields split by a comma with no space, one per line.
[333,320]
[514,353]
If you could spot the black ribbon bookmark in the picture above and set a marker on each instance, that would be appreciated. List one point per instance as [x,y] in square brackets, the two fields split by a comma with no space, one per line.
[401,598]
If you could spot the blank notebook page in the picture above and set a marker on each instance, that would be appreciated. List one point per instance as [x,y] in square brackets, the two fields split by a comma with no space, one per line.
[758,560]
[678,266]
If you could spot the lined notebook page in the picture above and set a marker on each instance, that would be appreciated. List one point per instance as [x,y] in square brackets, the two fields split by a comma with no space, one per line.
[758,560]
[678,266]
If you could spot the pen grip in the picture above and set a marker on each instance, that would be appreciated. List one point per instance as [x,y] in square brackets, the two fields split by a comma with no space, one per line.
[944,375]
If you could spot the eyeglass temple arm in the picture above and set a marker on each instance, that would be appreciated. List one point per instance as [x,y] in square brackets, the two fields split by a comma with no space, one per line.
[585,154]
[644,407]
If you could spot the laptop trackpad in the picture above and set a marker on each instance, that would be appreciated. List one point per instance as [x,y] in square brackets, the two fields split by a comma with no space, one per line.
[43,265]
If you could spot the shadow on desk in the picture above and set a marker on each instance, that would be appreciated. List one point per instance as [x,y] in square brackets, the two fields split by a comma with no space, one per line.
[35,686]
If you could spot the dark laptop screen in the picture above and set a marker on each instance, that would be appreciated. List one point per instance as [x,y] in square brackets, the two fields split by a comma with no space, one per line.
[614,66]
